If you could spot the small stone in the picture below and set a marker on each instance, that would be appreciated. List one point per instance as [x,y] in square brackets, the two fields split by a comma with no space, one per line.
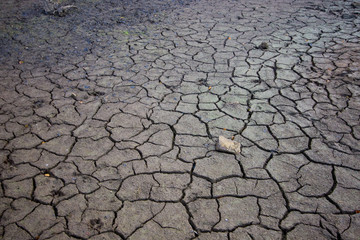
[60,11]
[227,145]
[263,46]
[73,96]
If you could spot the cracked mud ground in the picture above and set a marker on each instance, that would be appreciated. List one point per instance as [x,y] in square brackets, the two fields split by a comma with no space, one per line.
[109,118]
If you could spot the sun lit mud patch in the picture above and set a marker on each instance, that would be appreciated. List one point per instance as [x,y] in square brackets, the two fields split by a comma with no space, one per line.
[171,222]
[134,214]
[108,81]
[293,145]
[171,186]
[90,149]
[234,109]
[137,187]
[261,136]
[126,92]
[204,213]
[218,165]
[60,145]
[188,124]
[117,158]
[156,140]
[47,188]
[39,220]
[237,211]
[243,187]
[124,126]
[256,232]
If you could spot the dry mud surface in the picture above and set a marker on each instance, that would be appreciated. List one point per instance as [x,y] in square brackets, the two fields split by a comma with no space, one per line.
[109,116]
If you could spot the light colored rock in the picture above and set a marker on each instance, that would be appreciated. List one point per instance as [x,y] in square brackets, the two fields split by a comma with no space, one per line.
[227,145]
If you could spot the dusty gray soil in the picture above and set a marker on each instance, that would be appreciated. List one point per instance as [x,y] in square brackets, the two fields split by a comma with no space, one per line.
[109,117]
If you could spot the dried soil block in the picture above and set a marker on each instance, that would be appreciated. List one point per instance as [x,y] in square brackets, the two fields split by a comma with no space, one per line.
[227,145]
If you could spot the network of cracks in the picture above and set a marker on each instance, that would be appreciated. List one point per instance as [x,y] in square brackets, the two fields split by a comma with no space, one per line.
[110,114]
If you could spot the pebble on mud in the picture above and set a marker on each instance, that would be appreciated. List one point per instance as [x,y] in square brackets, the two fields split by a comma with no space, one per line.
[54,8]
[263,46]
[227,145]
